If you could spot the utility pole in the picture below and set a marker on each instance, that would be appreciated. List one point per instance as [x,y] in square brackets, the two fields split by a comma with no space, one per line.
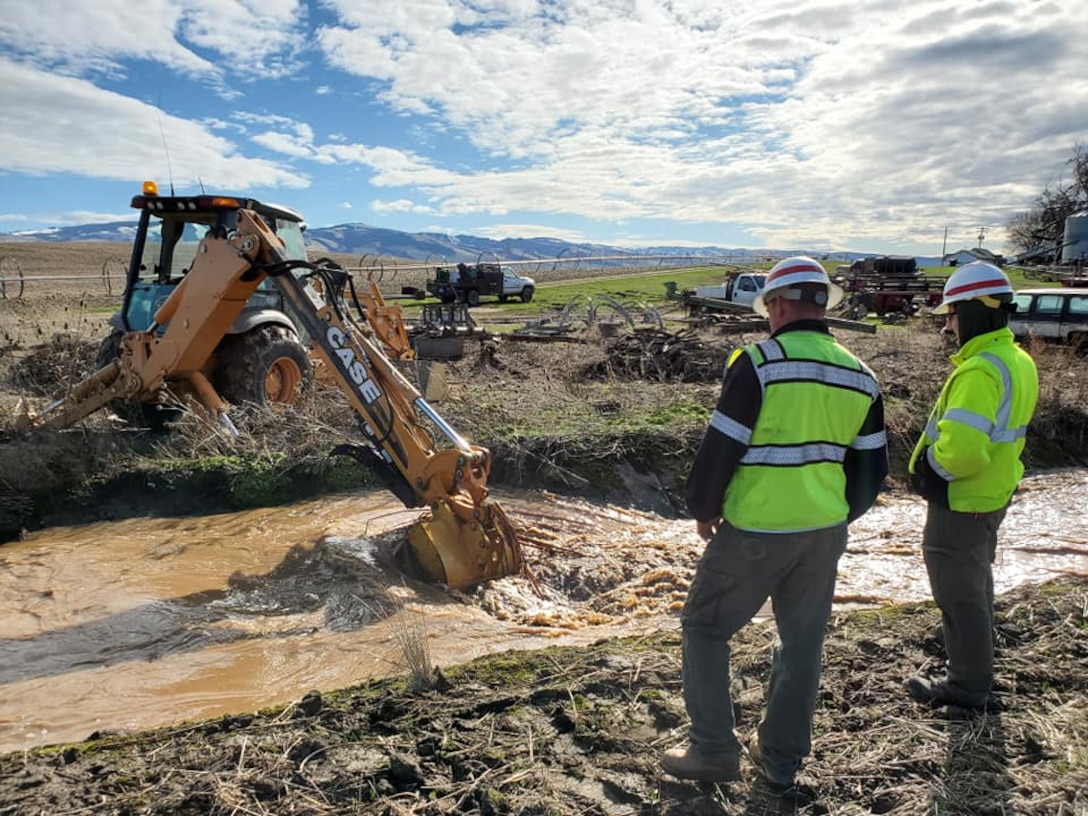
[944,246]
[981,234]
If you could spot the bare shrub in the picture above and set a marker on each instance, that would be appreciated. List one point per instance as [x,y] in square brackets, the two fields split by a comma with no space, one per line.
[410,631]
[1059,430]
[51,368]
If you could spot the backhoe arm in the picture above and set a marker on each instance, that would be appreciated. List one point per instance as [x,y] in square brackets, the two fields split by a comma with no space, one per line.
[197,315]
[467,538]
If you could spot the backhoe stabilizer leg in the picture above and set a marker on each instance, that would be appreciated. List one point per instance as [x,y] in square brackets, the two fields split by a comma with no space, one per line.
[460,552]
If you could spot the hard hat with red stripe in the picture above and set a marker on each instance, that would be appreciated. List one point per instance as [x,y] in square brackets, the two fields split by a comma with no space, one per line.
[977,280]
[793,272]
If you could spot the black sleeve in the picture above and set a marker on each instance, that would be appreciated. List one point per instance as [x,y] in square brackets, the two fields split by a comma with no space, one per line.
[719,454]
[927,483]
[866,468]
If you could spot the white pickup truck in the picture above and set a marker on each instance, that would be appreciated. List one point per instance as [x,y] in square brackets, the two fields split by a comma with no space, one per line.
[1058,315]
[737,288]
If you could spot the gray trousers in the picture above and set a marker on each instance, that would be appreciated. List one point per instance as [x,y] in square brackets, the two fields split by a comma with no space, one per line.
[737,573]
[959,550]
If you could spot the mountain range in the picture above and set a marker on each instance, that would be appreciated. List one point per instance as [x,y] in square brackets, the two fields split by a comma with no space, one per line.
[364,240]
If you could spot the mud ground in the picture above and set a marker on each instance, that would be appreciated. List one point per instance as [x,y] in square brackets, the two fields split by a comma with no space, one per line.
[579,731]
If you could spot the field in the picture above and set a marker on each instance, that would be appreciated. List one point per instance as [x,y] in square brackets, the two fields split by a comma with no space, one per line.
[564,732]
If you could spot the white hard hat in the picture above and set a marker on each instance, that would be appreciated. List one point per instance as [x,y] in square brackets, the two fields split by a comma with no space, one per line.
[792,272]
[971,282]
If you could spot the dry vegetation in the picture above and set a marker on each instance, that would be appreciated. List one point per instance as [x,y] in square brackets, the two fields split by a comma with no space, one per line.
[565,415]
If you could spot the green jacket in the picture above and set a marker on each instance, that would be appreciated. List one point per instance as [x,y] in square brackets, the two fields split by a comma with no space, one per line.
[968,458]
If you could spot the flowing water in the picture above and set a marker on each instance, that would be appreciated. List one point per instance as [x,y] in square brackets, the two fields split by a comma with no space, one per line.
[147,622]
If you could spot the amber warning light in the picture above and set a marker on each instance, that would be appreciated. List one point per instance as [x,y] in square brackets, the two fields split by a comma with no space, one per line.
[151,188]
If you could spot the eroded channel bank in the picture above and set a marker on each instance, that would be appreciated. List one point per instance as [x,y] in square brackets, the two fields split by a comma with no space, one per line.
[150,621]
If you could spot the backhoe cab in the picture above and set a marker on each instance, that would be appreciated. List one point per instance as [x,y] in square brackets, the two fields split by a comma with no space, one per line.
[262,357]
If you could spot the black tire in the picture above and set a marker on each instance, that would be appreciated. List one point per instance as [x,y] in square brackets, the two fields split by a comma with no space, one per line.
[503,298]
[526,294]
[108,350]
[472,297]
[266,365]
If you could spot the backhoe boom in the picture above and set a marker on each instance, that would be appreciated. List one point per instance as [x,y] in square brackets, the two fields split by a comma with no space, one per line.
[467,538]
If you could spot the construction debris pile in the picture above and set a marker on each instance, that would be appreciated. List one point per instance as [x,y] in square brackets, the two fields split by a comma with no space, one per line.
[653,354]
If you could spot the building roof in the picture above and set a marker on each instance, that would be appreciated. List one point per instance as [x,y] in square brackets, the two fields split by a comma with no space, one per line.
[978,253]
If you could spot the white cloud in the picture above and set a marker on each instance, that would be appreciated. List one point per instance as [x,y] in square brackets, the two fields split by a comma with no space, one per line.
[84,36]
[77,217]
[57,124]
[189,36]
[402,205]
[261,37]
[808,120]
[798,122]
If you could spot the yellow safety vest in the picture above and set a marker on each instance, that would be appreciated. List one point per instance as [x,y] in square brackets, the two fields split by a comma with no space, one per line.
[816,396]
[976,431]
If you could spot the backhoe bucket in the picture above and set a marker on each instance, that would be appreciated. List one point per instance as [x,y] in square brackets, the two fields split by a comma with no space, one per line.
[462,553]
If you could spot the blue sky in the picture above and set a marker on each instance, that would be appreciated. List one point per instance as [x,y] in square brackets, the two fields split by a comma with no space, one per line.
[864,126]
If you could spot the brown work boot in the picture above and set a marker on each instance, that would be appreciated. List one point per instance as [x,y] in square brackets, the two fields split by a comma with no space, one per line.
[689,763]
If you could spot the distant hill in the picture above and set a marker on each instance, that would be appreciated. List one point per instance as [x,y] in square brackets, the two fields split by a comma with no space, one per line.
[364,240]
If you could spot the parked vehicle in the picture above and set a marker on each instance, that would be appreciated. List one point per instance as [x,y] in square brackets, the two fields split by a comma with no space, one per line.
[736,288]
[1053,315]
[466,284]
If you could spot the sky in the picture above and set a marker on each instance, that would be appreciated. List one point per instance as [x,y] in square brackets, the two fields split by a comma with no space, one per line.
[886,126]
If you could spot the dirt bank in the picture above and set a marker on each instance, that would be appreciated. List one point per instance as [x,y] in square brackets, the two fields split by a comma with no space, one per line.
[578,731]
[593,419]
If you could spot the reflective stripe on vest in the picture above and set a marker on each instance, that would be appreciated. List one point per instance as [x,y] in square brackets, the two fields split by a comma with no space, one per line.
[997,431]
[777,368]
[730,427]
[791,476]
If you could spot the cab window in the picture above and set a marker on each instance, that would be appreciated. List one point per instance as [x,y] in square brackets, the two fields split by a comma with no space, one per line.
[170,248]
[290,232]
[1023,303]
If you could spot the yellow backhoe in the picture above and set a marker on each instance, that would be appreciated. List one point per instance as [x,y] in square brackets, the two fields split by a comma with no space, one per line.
[465,539]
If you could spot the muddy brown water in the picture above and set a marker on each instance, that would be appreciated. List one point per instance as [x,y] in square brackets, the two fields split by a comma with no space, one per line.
[146,622]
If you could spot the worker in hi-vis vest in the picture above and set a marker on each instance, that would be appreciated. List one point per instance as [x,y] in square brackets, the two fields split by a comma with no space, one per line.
[795,450]
[967,466]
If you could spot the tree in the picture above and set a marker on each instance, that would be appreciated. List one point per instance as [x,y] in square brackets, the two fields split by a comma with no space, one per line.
[1041,229]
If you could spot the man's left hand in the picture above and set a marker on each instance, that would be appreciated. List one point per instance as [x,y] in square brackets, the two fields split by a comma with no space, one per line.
[708,529]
